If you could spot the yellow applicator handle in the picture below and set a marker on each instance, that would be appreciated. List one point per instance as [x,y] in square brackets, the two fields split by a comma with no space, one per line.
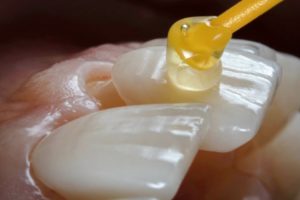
[195,45]
[243,13]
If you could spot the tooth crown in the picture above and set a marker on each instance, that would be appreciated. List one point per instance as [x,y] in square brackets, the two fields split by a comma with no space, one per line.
[248,82]
[143,152]
[138,152]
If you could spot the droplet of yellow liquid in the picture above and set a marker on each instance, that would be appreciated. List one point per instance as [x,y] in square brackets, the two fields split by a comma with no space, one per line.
[196,44]
[193,53]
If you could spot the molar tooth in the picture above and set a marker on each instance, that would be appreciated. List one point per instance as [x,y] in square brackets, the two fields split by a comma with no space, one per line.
[140,152]
[239,104]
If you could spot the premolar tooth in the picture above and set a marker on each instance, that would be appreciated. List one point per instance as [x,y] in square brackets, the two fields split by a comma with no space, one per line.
[130,152]
[238,105]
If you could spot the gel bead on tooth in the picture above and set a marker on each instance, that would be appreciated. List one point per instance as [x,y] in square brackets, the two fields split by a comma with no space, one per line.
[135,152]
[193,53]
[247,85]
[196,44]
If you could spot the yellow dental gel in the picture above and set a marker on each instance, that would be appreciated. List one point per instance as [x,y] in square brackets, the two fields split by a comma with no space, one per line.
[196,44]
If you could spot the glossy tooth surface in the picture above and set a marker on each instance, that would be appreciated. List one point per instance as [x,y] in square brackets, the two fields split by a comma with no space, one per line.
[238,104]
[136,152]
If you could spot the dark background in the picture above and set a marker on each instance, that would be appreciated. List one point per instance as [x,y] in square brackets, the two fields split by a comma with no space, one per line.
[92,22]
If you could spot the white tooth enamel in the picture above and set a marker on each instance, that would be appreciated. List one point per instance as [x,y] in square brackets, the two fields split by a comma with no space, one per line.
[288,91]
[252,48]
[154,43]
[135,152]
[247,86]
[286,101]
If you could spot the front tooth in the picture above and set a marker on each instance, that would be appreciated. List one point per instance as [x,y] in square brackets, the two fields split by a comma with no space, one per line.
[247,86]
[137,152]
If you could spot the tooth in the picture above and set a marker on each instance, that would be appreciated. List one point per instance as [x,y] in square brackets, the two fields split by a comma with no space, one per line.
[135,152]
[155,42]
[286,101]
[279,159]
[238,105]
[253,48]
